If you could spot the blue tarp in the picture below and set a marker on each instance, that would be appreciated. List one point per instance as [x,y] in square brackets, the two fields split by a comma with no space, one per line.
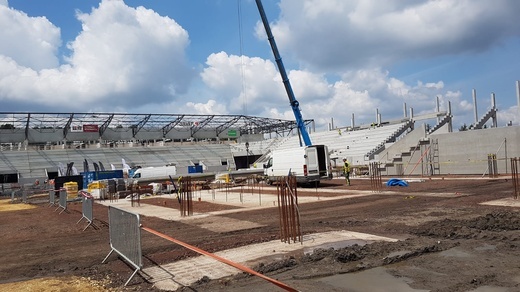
[396,182]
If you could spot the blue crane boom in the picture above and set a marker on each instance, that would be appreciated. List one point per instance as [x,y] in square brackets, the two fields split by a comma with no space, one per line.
[295,105]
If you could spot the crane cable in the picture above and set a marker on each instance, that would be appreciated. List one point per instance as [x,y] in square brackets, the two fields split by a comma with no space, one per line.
[242,73]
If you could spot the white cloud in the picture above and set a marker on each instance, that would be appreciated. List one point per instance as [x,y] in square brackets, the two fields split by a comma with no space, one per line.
[253,86]
[335,34]
[30,41]
[209,108]
[360,92]
[133,59]
[511,114]
[123,57]
[242,82]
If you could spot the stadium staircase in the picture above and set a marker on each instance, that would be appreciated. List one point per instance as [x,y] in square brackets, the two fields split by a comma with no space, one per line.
[446,120]
[392,138]
[491,114]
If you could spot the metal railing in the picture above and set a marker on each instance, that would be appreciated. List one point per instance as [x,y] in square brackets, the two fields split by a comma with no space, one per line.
[52,198]
[87,209]
[125,237]
[62,202]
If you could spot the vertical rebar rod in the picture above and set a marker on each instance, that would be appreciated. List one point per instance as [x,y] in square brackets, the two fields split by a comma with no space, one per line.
[514,176]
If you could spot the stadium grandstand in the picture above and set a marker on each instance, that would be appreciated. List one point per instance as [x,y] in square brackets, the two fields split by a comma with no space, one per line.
[33,145]
[36,145]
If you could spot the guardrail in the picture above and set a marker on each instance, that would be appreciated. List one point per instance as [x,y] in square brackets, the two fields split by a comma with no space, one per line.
[62,202]
[87,209]
[125,237]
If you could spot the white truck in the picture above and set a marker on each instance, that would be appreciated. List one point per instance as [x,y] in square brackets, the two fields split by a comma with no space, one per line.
[310,164]
[161,172]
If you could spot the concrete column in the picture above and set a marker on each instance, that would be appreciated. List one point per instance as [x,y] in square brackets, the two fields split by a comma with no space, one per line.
[377,116]
[352,122]
[475,105]
[411,113]
[450,124]
[437,107]
[518,99]
[404,110]
[494,106]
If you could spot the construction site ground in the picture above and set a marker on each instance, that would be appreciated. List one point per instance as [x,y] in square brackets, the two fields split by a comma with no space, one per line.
[440,234]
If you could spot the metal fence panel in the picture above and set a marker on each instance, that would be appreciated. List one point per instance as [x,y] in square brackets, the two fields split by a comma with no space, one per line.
[24,195]
[52,198]
[87,208]
[62,202]
[125,237]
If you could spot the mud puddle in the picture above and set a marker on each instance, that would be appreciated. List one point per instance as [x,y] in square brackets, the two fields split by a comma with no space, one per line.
[374,280]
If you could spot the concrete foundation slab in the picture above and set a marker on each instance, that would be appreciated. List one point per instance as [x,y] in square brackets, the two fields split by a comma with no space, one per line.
[174,275]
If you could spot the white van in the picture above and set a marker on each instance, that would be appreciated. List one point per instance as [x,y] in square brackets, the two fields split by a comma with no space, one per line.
[310,164]
[161,172]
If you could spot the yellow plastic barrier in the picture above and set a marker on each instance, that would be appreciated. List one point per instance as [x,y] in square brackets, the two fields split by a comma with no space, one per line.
[72,189]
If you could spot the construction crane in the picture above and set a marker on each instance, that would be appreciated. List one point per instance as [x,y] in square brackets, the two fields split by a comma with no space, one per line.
[295,105]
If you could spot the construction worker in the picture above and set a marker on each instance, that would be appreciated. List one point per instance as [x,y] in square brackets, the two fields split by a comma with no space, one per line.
[346,170]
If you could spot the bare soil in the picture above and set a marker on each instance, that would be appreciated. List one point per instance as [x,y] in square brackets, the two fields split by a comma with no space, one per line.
[448,241]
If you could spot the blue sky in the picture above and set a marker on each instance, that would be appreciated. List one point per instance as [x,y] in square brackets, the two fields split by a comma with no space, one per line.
[342,57]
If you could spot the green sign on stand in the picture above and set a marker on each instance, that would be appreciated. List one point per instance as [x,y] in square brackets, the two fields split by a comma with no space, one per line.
[232,133]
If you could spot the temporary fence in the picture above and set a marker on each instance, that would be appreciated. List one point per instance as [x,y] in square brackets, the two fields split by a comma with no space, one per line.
[24,195]
[87,209]
[125,237]
[290,228]
[515,163]
[62,202]
[16,195]
[52,198]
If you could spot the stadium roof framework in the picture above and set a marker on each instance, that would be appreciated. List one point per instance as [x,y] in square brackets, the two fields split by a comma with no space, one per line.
[157,125]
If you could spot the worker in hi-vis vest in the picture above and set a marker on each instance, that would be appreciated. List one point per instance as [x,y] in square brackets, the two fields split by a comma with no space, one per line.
[346,170]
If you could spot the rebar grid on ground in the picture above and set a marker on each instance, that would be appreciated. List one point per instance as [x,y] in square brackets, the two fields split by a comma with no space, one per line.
[135,197]
[376,182]
[290,228]
[514,176]
[185,194]
[492,165]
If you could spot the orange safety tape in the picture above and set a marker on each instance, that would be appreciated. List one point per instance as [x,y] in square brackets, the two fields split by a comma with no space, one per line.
[220,259]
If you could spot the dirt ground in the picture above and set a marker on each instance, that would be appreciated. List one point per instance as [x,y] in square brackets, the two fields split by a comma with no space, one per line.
[448,241]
